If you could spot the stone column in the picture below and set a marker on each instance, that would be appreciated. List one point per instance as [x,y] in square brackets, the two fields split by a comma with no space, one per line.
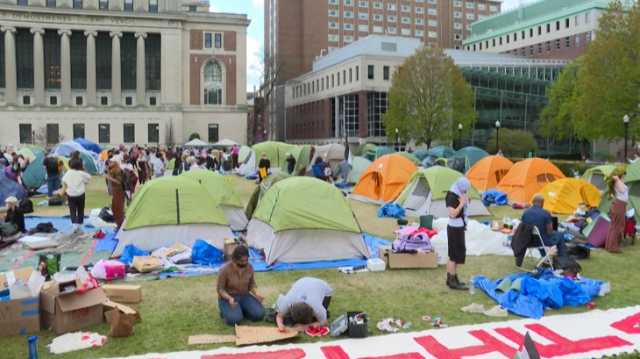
[116,79]
[65,62]
[141,83]
[91,67]
[10,69]
[38,66]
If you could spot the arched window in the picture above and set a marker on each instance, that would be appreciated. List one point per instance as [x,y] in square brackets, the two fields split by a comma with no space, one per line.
[212,83]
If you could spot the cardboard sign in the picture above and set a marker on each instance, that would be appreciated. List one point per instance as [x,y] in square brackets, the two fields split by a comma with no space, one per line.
[246,335]
[146,264]
[211,339]
[123,293]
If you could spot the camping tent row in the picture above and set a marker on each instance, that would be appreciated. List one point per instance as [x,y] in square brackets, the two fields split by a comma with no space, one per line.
[284,225]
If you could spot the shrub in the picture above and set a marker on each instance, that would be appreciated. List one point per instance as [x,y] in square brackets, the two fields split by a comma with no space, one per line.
[513,143]
[193,136]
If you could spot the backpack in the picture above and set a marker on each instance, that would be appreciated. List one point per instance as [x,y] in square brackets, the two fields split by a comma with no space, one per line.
[26,206]
[567,264]
[106,215]
[44,228]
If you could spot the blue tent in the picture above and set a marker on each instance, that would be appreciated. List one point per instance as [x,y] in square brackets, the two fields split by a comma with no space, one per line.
[466,157]
[35,175]
[441,152]
[89,163]
[88,145]
[10,188]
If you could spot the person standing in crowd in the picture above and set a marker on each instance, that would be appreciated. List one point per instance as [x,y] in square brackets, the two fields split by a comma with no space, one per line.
[74,186]
[156,164]
[456,201]
[540,218]
[306,304]
[291,163]
[235,153]
[50,164]
[14,215]
[237,292]
[115,177]
[143,167]
[130,181]
[619,192]
[263,167]
[75,160]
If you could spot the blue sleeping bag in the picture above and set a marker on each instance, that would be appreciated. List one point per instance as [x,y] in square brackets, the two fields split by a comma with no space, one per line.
[493,196]
[527,294]
[391,210]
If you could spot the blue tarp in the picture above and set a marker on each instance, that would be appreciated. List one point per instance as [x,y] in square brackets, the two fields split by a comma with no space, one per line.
[493,196]
[10,188]
[527,294]
[131,251]
[88,145]
[205,254]
[391,210]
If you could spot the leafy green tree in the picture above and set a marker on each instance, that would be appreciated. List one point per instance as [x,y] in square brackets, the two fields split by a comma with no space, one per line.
[513,143]
[608,81]
[194,136]
[428,98]
[558,117]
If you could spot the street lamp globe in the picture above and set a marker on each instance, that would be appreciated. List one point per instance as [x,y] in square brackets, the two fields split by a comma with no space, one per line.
[459,127]
[397,130]
[626,119]
[498,124]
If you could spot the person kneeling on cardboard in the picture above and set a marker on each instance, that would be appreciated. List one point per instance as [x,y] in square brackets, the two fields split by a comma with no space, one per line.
[238,298]
[306,304]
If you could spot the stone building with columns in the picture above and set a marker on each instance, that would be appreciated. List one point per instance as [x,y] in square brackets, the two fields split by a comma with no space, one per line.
[121,72]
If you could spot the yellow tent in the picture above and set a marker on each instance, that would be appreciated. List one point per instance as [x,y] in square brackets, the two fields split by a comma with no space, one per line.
[565,195]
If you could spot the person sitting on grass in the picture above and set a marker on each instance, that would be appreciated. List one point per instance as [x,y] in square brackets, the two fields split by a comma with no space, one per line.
[306,304]
[14,215]
[238,298]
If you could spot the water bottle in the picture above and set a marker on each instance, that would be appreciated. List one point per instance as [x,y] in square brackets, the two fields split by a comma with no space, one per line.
[472,288]
[33,347]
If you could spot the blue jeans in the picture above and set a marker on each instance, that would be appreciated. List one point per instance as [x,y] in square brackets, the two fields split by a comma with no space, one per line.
[556,239]
[53,184]
[247,307]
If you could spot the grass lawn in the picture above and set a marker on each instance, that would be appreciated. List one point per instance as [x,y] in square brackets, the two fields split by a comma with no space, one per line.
[174,309]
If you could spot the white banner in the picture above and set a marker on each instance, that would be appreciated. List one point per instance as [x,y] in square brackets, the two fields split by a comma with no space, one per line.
[588,335]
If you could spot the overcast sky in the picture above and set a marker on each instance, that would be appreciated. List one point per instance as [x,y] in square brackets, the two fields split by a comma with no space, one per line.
[255,10]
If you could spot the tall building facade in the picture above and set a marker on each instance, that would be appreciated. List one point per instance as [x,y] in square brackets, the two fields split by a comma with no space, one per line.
[121,71]
[346,93]
[299,31]
[559,29]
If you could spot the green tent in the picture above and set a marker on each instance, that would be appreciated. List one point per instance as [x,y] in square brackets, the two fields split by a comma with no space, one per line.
[173,200]
[35,175]
[89,163]
[465,158]
[218,186]
[425,193]
[261,189]
[302,219]
[411,157]
[277,154]
[358,166]
[597,176]
[173,209]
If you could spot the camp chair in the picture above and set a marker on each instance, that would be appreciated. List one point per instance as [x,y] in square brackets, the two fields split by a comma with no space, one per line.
[538,243]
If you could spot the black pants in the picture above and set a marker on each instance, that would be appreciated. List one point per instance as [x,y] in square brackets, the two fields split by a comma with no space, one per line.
[76,209]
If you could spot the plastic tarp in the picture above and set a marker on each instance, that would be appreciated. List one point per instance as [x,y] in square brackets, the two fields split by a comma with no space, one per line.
[130,252]
[391,210]
[527,294]
[88,145]
[205,254]
[10,188]
[493,196]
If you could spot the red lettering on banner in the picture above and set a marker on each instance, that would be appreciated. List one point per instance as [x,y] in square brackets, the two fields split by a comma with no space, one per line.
[336,352]
[489,345]
[280,354]
[629,325]
[563,346]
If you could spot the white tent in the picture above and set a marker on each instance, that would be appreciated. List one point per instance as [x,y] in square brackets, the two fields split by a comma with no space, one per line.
[196,142]
[225,143]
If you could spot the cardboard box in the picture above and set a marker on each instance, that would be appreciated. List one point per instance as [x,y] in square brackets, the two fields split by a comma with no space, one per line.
[69,312]
[123,293]
[409,260]
[146,264]
[19,317]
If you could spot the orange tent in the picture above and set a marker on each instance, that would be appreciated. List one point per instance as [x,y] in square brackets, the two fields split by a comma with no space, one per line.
[487,173]
[384,179]
[526,178]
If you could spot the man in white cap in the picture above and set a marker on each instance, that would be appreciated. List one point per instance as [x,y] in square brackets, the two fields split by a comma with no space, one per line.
[14,215]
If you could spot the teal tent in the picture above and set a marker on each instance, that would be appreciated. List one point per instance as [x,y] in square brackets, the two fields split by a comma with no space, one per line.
[465,158]
[35,175]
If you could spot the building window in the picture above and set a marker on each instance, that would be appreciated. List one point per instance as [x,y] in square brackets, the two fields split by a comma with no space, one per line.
[349,121]
[557,25]
[539,30]
[24,58]
[23,2]
[77,4]
[128,101]
[53,100]
[78,60]
[53,133]
[377,103]
[332,80]
[129,133]
[218,40]
[78,130]
[79,100]
[128,63]
[104,133]
[548,28]
[357,73]
[558,44]
[104,100]
[25,133]
[531,32]
[350,75]
[153,133]
[153,6]
[26,100]
[385,73]
[567,42]
[103,61]
[51,3]
[153,101]
[370,72]
[128,5]
[193,8]
[212,83]
[103,5]
[153,61]
[52,68]
[213,132]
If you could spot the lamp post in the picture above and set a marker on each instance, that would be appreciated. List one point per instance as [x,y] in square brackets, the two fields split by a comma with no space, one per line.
[626,120]
[498,136]
[397,140]
[460,127]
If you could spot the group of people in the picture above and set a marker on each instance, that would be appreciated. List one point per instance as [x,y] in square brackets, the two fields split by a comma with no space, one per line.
[305,304]
[13,165]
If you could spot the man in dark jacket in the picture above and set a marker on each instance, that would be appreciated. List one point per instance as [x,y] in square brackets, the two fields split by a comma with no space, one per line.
[53,174]
[540,218]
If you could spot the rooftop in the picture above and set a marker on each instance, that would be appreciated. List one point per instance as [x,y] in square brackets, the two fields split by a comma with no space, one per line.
[393,46]
[539,12]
